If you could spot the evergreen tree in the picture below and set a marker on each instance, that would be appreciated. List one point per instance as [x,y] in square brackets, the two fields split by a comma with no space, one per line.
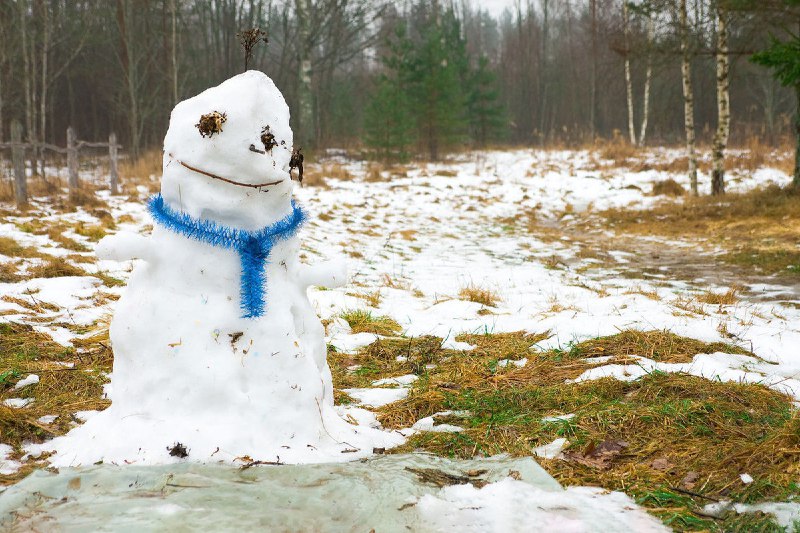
[436,77]
[487,117]
[783,58]
[388,122]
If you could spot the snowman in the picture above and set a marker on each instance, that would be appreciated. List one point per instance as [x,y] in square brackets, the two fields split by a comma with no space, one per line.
[218,353]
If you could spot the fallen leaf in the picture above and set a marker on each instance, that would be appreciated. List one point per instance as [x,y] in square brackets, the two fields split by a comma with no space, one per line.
[661,464]
[598,456]
[690,480]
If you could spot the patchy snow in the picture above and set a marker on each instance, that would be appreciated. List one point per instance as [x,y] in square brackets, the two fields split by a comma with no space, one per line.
[717,367]
[7,466]
[429,424]
[399,381]
[508,505]
[419,237]
[31,379]
[787,514]
[17,403]
[377,397]
[551,450]
[502,363]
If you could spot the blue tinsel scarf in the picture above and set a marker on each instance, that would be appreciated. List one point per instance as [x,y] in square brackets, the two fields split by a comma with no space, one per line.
[253,247]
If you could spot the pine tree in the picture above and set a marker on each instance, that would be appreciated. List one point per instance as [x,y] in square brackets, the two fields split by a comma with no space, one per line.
[487,117]
[388,122]
[783,58]
[436,74]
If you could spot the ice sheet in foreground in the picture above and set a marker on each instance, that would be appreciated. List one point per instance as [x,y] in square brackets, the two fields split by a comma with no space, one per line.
[384,493]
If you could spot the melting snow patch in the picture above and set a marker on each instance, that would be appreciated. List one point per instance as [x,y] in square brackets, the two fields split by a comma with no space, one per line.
[351,343]
[377,397]
[786,514]
[429,424]
[552,450]
[511,505]
[502,363]
[558,418]
[7,466]
[32,379]
[400,381]
[17,402]
[47,419]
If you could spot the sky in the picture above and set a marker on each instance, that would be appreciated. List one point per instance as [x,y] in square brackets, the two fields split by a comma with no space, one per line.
[495,7]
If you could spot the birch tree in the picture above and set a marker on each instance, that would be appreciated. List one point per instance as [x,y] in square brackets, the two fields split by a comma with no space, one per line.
[628,81]
[688,94]
[648,80]
[723,104]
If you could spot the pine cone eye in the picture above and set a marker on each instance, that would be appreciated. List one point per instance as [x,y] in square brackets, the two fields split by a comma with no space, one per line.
[211,123]
[268,139]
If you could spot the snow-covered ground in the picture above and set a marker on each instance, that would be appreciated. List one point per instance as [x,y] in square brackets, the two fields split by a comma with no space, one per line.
[419,236]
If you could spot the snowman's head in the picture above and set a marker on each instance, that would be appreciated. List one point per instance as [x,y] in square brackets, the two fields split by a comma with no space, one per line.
[227,153]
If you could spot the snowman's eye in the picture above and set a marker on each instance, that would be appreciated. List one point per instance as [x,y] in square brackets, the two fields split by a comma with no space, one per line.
[211,123]
[268,139]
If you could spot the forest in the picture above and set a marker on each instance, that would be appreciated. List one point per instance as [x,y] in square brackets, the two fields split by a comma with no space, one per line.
[407,77]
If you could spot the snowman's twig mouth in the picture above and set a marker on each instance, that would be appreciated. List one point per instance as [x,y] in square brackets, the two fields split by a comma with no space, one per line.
[226,180]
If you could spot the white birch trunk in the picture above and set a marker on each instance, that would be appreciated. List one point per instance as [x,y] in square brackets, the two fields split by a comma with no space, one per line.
[651,35]
[688,96]
[628,81]
[723,105]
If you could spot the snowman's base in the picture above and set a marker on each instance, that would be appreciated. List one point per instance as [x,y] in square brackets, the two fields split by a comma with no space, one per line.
[124,439]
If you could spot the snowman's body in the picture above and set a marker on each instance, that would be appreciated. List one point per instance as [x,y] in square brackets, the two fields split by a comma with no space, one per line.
[190,366]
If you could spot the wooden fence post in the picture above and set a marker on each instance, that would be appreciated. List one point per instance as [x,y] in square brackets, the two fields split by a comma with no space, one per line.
[18,158]
[72,163]
[112,154]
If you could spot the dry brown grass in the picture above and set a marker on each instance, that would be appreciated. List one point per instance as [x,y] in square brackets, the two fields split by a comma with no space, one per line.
[61,391]
[362,321]
[143,169]
[730,297]
[618,150]
[760,229]
[668,187]
[11,248]
[55,268]
[480,295]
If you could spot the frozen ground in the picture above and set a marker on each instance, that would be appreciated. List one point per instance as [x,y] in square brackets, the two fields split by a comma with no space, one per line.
[420,235]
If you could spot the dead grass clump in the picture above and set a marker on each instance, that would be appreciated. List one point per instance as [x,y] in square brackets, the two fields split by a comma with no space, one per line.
[668,187]
[372,298]
[143,169]
[374,172]
[618,150]
[9,273]
[480,295]
[658,345]
[54,268]
[93,232]
[730,297]
[11,248]
[362,321]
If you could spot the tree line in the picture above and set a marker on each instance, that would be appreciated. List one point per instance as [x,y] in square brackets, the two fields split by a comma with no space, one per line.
[414,76]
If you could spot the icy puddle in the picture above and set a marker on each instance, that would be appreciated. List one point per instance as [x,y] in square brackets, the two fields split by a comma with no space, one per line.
[414,492]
